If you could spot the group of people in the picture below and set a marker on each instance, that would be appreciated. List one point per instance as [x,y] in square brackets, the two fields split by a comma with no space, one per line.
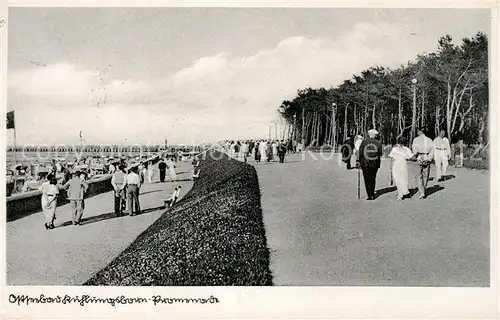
[263,149]
[126,184]
[75,187]
[423,152]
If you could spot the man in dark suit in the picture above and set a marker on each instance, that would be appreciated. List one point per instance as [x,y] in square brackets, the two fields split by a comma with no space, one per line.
[347,150]
[282,151]
[370,152]
[162,166]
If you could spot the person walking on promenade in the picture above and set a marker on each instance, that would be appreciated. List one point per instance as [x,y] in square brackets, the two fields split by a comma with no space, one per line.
[76,189]
[423,153]
[269,151]
[257,153]
[162,167]
[151,172]
[370,152]
[347,150]
[143,171]
[442,152]
[274,144]
[171,170]
[399,168]
[133,186]
[237,150]
[119,182]
[244,150]
[282,151]
[263,149]
[251,146]
[357,144]
[50,191]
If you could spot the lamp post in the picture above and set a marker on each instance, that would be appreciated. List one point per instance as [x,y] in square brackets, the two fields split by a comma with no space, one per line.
[334,127]
[294,126]
[414,112]
[302,130]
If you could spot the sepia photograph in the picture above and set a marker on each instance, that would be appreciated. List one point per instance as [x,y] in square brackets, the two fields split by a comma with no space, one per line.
[190,146]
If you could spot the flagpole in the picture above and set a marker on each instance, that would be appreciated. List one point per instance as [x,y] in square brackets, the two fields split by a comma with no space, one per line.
[15,158]
[15,146]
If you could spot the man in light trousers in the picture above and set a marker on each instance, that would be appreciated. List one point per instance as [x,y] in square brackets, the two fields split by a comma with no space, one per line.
[76,188]
[423,150]
[133,187]
[442,152]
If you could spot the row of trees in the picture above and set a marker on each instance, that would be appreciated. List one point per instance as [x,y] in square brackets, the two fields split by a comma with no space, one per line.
[446,90]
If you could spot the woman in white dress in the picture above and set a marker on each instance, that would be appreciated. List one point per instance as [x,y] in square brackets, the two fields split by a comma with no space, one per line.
[171,170]
[263,149]
[399,155]
[150,172]
[275,148]
[50,191]
[143,172]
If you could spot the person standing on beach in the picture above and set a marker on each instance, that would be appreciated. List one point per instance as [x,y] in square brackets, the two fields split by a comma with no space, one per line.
[76,189]
[119,182]
[50,191]
[423,153]
[133,186]
[370,152]
[442,152]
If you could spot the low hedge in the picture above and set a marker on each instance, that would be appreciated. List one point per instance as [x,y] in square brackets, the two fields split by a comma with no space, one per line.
[213,236]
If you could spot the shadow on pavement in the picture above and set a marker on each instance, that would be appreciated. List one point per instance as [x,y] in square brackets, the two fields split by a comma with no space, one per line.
[433,190]
[428,192]
[383,191]
[152,191]
[448,177]
[107,216]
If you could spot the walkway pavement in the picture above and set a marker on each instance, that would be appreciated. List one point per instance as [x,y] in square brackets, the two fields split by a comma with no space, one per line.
[319,233]
[70,255]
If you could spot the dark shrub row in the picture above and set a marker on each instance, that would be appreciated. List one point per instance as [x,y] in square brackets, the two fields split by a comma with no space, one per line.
[213,236]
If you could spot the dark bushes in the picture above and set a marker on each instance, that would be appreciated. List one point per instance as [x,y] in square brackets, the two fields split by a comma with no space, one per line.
[213,236]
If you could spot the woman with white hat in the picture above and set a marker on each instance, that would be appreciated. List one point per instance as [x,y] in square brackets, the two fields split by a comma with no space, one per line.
[399,168]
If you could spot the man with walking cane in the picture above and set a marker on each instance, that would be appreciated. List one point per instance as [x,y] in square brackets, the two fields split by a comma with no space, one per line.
[370,153]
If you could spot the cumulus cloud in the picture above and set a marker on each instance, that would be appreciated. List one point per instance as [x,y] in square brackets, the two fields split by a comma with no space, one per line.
[216,97]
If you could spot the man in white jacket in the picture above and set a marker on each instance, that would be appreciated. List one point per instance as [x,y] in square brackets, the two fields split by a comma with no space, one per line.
[442,152]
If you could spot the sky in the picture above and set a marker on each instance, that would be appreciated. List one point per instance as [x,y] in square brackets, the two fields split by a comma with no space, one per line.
[191,75]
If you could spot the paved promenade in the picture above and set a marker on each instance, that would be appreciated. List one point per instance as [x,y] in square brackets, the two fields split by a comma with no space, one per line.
[70,255]
[319,233]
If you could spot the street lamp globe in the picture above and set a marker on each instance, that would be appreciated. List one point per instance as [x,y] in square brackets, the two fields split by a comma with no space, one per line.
[334,104]
[414,81]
